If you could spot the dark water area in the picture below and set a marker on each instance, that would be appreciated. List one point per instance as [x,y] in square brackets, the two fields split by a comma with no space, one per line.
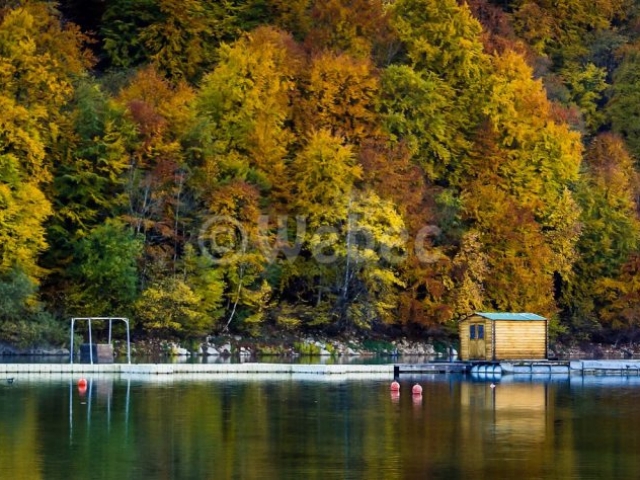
[320,427]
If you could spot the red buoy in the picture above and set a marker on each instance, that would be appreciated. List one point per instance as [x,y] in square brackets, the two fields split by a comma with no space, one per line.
[395,386]
[82,386]
[416,390]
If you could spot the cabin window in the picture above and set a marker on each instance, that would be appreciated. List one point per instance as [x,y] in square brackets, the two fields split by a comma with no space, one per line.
[472,332]
[480,332]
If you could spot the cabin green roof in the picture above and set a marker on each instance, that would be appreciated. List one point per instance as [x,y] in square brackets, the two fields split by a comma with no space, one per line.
[510,316]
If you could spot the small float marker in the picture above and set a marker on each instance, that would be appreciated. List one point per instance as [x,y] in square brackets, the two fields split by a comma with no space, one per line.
[395,386]
[416,390]
[82,386]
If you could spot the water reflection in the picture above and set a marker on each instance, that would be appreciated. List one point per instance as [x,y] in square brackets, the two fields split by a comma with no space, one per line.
[85,393]
[319,426]
[520,409]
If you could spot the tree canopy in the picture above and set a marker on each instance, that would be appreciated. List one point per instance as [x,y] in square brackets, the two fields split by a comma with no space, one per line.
[339,165]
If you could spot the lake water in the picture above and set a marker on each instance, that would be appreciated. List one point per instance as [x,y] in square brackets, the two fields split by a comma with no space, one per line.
[320,427]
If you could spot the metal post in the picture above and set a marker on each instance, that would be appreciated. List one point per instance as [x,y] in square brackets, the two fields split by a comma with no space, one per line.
[71,352]
[90,344]
[128,342]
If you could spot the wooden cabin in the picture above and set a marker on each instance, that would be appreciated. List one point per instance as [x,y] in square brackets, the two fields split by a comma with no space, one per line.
[503,336]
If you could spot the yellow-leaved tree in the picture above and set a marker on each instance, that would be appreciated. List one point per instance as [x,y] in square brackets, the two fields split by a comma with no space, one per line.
[39,55]
[354,242]
[516,191]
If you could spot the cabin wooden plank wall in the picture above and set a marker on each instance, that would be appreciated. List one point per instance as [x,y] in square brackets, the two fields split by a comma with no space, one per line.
[489,343]
[520,340]
[463,335]
[503,336]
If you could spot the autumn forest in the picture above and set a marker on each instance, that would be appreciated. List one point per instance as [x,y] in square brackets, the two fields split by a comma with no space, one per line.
[319,165]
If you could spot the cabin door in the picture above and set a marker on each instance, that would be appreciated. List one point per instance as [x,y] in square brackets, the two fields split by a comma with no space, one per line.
[477,348]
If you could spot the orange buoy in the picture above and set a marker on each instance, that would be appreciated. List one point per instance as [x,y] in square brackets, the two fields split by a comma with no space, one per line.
[416,390]
[395,386]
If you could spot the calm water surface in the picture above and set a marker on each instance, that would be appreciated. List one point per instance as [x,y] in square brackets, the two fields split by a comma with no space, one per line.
[320,427]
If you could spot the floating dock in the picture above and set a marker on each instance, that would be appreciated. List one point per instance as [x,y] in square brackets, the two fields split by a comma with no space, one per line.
[431,367]
[533,367]
[530,367]
[11,369]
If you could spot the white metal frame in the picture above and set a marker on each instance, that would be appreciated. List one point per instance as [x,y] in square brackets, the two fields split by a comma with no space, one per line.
[89,320]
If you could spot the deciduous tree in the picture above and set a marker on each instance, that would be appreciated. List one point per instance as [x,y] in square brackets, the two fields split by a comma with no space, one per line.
[337,93]
[244,105]
[610,229]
